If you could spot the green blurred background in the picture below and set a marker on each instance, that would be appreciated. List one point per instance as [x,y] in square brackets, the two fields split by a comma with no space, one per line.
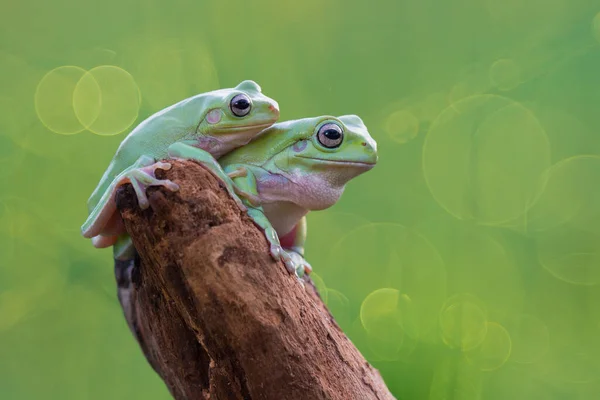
[465,266]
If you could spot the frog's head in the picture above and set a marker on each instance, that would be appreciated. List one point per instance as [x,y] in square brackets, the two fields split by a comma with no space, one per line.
[341,147]
[322,154]
[235,116]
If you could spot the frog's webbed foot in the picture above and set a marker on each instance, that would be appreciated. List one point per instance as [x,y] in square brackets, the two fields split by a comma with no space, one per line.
[301,265]
[144,177]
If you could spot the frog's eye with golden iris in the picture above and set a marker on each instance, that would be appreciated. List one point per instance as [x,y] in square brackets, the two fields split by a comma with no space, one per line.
[330,135]
[240,105]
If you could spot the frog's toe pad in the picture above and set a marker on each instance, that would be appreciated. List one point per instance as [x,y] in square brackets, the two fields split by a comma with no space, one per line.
[302,267]
[143,178]
[147,176]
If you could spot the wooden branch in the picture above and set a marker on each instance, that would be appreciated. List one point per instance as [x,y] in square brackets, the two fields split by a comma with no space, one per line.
[216,317]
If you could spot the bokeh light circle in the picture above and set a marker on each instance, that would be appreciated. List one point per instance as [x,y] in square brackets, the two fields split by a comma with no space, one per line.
[54,100]
[119,100]
[463,322]
[505,74]
[483,157]
[387,317]
[387,310]
[390,255]
[494,350]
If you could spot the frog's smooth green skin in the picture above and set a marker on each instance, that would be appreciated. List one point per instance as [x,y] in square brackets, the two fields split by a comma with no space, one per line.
[295,167]
[215,122]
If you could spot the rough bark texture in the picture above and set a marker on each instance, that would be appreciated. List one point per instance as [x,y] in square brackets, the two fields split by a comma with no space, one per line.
[217,317]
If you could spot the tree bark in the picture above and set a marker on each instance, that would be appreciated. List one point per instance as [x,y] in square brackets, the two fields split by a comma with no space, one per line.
[216,316]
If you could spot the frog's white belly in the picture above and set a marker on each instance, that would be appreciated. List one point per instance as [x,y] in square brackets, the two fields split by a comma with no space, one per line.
[286,199]
[284,216]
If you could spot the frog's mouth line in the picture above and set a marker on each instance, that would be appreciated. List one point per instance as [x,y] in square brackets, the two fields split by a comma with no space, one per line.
[245,127]
[330,161]
[239,128]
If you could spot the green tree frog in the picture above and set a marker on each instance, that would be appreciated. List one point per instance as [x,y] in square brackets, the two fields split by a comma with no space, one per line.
[291,168]
[213,123]
[294,167]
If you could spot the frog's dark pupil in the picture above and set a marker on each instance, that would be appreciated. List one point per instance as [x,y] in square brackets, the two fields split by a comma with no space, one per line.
[242,104]
[332,134]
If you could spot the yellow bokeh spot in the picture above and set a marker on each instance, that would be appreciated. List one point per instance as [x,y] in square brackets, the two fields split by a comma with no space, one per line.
[54,100]
[530,338]
[113,92]
[494,351]
[388,318]
[483,158]
[402,126]
[386,310]
[463,322]
[505,74]
[393,256]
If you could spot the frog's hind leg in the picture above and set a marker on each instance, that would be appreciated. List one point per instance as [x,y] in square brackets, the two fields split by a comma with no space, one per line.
[141,175]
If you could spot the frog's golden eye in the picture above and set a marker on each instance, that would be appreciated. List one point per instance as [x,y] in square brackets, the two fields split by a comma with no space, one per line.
[240,105]
[330,135]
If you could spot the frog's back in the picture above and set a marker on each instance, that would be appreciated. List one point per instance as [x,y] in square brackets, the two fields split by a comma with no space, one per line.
[151,137]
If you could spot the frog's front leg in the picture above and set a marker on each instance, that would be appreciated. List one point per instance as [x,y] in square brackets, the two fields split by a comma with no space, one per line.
[277,252]
[187,151]
[141,175]
[245,180]
[242,172]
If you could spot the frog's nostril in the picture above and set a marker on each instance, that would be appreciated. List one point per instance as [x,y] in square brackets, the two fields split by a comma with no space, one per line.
[364,143]
[273,108]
